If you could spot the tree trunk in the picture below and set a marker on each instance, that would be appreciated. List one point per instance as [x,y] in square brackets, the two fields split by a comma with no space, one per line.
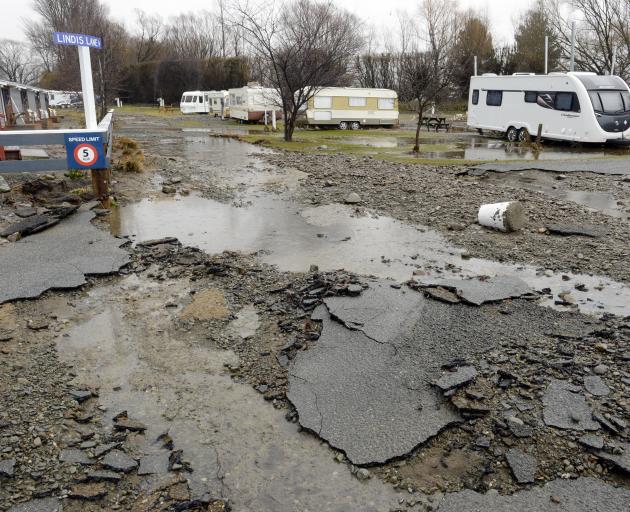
[289,126]
[416,147]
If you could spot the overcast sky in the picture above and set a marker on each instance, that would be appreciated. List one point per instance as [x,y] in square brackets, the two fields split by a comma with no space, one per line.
[381,13]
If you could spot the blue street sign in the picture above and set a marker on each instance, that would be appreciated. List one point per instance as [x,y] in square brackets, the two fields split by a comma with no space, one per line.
[77,40]
[85,151]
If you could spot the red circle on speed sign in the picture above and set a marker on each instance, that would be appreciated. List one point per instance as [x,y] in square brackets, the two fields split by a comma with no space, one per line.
[85,155]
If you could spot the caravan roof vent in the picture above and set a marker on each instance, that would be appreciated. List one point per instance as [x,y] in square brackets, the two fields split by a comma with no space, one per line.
[523,74]
[489,74]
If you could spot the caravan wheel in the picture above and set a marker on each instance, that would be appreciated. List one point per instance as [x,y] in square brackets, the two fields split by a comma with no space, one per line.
[523,135]
[343,125]
[355,125]
[512,134]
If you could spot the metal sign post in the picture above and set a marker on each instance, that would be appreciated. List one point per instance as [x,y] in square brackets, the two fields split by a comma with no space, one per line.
[84,43]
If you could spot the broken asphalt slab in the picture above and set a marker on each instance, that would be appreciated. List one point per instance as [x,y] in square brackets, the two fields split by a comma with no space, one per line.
[479,291]
[39,505]
[58,258]
[366,385]
[566,408]
[598,166]
[580,495]
[587,230]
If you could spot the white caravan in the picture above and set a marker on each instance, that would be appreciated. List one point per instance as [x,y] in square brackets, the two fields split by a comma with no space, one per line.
[195,102]
[352,107]
[61,99]
[581,107]
[250,103]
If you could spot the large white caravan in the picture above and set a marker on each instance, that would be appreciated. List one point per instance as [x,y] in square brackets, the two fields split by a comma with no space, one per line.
[250,103]
[582,107]
[352,107]
[219,102]
[195,102]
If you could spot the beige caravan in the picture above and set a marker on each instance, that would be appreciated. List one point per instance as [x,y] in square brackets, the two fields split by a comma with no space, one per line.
[352,107]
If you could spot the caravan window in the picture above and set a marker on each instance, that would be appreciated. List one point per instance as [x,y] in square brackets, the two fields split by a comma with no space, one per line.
[612,102]
[625,95]
[187,99]
[567,101]
[475,97]
[323,101]
[386,103]
[356,102]
[494,98]
[531,96]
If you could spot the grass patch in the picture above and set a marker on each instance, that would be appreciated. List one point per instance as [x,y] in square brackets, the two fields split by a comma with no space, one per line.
[131,158]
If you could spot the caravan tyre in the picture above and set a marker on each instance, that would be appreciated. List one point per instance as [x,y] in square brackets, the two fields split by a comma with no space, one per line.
[523,135]
[343,125]
[355,125]
[512,134]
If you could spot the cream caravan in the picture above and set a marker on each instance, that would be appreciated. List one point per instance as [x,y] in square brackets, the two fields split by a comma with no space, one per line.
[219,103]
[352,107]
[581,107]
[250,103]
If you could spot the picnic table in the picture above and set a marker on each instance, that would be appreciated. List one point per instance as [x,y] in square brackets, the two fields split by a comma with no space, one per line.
[435,122]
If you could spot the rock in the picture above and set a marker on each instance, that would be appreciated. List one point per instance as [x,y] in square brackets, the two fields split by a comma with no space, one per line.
[14,237]
[600,369]
[169,189]
[80,395]
[523,466]
[482,442]
[518,427]
[37,442]
[7,468]
[123,422]
[576,229]
[25,212]
[282,359]
[117,460]
[565,408]
[620,461]
[596,386]
[4,186]
[39,505]
[102,449]
[463,375]
[362,474]
[75,456]
[158,241]
[103,475]
[90,491]
[352,198]
[442,294]
[355,289]
[592,441]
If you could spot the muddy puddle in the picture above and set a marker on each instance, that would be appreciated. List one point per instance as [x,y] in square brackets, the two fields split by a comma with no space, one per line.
[128,344]
[473,147]
[334,237]
[547,184]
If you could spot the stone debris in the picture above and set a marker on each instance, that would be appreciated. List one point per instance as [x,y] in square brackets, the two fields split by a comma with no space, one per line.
[518,427]
[352,198]
[59,258]
[620,460]
[595,385]
[102,449]
[462,375]
[155,464]
[478,291]
[89,491]
[592,441]
[117,460]
[39,505]
[565,408]
[123,422]
[439,293]
[4,186]
[523,466]
[103,475]
[7,467]
[576,229]
[75,456]
[579,495]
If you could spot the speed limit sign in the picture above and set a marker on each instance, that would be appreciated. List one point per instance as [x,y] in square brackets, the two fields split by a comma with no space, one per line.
[85,151]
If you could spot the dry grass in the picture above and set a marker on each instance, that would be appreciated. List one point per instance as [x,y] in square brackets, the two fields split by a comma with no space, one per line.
[131,158]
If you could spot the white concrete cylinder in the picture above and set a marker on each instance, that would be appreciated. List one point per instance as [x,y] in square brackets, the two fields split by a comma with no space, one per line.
[507,216]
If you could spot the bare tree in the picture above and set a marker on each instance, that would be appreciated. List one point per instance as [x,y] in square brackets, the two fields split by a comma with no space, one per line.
[18,64]
[148,38]
[426,65]
[305,45]
[192,36]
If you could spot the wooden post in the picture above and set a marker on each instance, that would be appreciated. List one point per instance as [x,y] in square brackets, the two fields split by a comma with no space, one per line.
[100,185]
[539,134]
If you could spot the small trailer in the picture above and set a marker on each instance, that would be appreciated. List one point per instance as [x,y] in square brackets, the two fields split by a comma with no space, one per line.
[195,102]
[62,99]
[252,102]
[574,106]
[352,107]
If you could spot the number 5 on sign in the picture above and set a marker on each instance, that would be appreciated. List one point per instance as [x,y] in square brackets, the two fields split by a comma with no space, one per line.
[85,151]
